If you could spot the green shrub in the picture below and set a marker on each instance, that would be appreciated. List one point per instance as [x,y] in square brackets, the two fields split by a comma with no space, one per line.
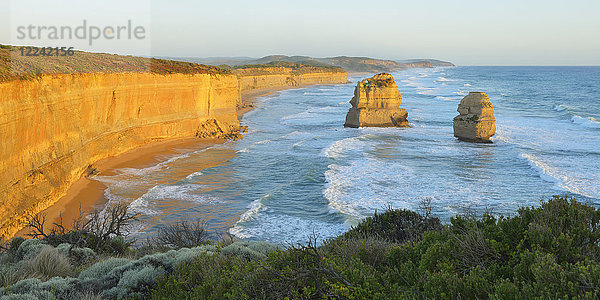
[101,269]
[241,249]
[14,244]
[78,256]
[546,252]
[134,284]
[398,226]
[263,247]
[29,249]
[10,274]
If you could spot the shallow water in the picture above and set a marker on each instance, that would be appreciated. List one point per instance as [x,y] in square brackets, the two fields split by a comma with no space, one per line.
[299,171]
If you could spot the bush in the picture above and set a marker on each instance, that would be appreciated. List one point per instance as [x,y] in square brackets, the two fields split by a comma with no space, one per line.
[29,249]
[14,244]
[102,231]
[398,226]
[10,275]
[241,249]
[78,256]
[182,235]
[551,251]
[545,252]
[102,268]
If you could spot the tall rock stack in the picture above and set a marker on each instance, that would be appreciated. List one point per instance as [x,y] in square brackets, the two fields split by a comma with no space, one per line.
[376,103]
[476,122]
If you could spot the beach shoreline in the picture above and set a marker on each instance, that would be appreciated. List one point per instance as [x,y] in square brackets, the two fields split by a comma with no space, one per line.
[87,194]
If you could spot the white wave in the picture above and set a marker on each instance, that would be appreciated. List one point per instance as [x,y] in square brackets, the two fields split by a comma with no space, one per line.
[562,179]
[586,122]
[289,229]
[411,82]
[334,191]
[545,171]
[142,171]
[199,173]
[183,192]
[141,206]
[427,91]
[296,135]
[560,107]
[443,79]
[467,85]
[158,167]
[254,209]
[309,116]
[262,142]
[365,185]
[444,98]
[339,148]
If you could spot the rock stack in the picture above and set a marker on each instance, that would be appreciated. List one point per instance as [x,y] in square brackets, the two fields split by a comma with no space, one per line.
[476,122]
[376,103]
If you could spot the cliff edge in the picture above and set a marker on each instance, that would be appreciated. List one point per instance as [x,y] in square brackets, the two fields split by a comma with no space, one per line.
[59,115]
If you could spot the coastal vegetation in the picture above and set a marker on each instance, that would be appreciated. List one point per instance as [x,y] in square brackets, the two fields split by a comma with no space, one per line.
[14,66]
[550,251]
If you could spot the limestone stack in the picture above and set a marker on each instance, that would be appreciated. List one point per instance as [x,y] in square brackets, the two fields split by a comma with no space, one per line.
[376,103]
[476,122]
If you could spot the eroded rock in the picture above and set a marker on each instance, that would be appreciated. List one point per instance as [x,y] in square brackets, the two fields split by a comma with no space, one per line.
[476,122]
[376,103]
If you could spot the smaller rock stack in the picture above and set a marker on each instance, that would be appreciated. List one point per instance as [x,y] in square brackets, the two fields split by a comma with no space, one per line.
[376,103]
[476,122]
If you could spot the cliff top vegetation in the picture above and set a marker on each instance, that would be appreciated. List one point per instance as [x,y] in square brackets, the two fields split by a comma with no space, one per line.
[23,63]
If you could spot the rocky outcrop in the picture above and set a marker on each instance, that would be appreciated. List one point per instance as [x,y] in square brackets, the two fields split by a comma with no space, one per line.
[54,127]
[376,103]
[476,122]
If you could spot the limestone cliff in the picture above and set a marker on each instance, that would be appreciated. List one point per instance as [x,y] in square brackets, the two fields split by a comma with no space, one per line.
[476,122]
[376,103]
[268,76]
[53,127]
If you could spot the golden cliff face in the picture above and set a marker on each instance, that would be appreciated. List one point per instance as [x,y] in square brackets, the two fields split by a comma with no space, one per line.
[53,128]
[376,103]
[282,77]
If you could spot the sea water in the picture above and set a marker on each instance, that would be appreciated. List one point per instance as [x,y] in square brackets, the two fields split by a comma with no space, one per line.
[299,172]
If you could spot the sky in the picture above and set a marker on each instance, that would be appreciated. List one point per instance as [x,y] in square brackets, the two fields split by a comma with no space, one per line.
[508,32]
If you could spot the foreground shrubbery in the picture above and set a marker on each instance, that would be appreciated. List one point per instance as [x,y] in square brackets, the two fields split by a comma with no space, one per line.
[52,273]
[547,252]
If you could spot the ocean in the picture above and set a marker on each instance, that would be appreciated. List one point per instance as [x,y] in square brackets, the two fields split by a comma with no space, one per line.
[299,172]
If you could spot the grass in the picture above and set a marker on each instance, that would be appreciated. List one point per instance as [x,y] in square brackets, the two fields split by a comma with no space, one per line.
[49,263]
